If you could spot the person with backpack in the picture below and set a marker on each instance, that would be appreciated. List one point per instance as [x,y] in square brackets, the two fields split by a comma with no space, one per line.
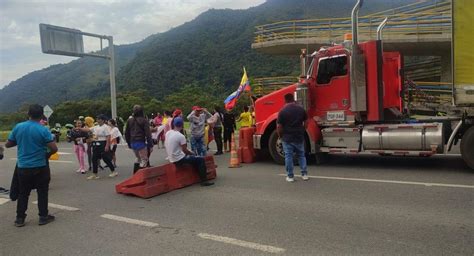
[138,137]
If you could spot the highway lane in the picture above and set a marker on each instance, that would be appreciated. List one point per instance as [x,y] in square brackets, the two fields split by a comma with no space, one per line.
[254,211]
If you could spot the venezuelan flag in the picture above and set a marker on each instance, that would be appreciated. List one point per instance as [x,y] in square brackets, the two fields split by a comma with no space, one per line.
[231,100]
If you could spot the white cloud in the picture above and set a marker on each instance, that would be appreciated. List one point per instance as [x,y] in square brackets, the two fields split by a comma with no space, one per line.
[127,20]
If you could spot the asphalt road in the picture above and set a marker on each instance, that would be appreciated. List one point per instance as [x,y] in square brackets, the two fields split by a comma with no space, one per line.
[364,205]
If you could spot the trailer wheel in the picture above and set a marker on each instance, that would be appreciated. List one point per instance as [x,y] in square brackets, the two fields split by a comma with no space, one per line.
[275,147]
[467,147]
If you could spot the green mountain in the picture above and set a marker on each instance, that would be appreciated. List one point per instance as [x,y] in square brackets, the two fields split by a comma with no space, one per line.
[208,51]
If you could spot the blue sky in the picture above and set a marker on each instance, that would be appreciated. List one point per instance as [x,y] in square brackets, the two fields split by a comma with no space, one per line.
[127,21]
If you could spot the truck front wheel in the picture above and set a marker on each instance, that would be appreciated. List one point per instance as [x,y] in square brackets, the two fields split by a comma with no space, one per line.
[467,147]
[275,147]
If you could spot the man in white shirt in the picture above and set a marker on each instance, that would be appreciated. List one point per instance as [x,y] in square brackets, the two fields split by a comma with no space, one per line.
[178,153]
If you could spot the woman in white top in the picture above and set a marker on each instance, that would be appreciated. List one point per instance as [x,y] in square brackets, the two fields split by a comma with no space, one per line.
[101,148]
[114,139]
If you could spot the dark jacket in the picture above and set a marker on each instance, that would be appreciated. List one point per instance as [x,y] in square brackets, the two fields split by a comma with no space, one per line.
[138,130]
[229,121]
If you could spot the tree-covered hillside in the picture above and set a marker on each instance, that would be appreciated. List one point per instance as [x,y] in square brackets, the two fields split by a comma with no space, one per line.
[208,51]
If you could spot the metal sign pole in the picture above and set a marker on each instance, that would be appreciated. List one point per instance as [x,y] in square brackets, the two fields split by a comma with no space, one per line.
[68,42]
[113,100]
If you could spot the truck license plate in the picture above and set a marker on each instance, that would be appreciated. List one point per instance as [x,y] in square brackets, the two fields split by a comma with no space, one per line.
[336,116]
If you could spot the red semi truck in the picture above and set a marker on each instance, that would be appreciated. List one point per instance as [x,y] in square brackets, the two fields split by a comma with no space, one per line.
[352,93]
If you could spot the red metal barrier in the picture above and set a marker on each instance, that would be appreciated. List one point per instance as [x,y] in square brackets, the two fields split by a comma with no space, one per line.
[246,150]
[153,181]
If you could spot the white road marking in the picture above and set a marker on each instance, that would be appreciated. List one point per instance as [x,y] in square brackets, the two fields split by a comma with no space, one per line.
[233,241]
[64,153]
[61,161]
[130,221]
[4,200]
[50,161]
[428,184]
[61,207]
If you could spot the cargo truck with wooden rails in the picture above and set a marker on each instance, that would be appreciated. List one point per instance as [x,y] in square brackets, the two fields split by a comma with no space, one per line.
[353,94]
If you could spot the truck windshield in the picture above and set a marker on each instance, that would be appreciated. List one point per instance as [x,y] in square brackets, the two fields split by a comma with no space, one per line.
[331,67]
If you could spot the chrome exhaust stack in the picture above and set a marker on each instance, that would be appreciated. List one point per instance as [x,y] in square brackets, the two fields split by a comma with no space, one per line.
[357,68]
[355,23]
[380,28]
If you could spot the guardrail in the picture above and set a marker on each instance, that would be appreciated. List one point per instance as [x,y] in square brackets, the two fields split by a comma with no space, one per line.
[434,19]
[418,93]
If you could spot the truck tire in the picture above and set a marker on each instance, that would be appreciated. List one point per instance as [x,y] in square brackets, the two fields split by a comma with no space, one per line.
[467,147]
[275,148]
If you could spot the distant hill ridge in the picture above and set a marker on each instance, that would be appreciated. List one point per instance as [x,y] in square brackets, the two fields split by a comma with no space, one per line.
[209,50]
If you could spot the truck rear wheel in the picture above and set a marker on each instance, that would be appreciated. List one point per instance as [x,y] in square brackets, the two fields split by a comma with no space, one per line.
[275,147]
[467,147]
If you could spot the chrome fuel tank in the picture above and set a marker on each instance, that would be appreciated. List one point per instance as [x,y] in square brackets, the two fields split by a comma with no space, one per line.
[414,137]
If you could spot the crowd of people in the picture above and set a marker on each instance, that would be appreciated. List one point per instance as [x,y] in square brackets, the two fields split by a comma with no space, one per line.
[98,140]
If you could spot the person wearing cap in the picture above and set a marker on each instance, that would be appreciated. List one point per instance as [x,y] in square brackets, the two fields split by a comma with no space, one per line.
[178,113]
[178,153]
[101,148]
[198,118]
[138,137]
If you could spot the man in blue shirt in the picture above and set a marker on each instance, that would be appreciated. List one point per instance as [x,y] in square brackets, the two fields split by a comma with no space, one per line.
[32,140]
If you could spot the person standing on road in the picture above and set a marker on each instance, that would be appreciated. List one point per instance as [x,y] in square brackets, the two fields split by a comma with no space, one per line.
[217,129]
[198,118]
[114,139]
[79,136]
[89,122]
[138,137]
[245,118]
[158,122]
[178,153]
[101,148]
[291,125]
[32,141]
[229,128]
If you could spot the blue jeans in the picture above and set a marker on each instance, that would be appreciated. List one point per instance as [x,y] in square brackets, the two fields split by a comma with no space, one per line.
[289,148]
[197,146]
[197,162]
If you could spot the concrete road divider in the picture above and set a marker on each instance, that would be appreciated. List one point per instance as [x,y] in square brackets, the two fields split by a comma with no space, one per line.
[246,150]
[153,181]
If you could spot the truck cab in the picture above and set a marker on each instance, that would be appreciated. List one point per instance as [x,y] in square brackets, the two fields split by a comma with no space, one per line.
[352,93]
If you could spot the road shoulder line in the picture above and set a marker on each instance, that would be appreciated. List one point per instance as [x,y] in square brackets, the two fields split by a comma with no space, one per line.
[427,184]
[4,200]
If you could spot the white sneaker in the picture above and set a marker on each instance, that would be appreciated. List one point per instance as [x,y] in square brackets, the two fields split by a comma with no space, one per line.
[79,170]
[305,177]
[93,177]
[290,179]
[113,174]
